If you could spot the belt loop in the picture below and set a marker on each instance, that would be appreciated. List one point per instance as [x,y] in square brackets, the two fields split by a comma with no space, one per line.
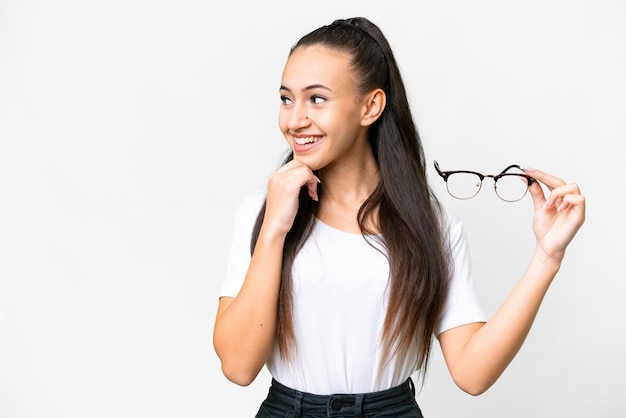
[358,405]
[297,405]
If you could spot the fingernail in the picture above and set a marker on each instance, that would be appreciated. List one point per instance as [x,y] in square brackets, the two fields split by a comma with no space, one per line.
[528,169]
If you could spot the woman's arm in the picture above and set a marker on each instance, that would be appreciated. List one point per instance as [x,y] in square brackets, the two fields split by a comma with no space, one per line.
[477,354]
[245,326]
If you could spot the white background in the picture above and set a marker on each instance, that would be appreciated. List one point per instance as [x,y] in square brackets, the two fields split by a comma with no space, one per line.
[131,129]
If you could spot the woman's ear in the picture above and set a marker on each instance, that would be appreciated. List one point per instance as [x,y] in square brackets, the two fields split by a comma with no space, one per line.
[374,105]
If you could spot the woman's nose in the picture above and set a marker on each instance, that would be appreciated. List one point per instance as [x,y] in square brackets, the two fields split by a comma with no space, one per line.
[298,118]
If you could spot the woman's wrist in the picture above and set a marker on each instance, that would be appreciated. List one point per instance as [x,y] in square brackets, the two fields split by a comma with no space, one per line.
[270,235]
[552,262]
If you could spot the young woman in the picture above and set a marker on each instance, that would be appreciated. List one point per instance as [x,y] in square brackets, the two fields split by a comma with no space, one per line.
[344,269]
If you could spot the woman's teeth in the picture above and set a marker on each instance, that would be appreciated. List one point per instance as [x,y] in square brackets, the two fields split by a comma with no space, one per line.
[306,140]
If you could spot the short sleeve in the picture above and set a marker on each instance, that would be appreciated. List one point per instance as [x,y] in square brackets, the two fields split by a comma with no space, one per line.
[461,306]
[239,255]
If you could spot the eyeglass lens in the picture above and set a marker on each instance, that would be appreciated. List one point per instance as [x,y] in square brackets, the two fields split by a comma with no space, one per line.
[509,187]
[463,185]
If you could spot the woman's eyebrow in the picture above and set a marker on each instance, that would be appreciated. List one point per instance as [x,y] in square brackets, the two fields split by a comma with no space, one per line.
[310,87]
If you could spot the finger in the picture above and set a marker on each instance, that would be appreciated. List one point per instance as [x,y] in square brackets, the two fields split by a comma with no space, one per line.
[558,195]
[549,180]
[573,202]
[536,192]
[294,175]
[310,179]
[312,188]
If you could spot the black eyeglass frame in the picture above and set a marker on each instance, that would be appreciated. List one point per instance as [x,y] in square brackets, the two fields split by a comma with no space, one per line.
[446,174]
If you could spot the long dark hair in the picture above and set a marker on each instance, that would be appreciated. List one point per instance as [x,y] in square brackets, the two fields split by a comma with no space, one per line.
[409,215]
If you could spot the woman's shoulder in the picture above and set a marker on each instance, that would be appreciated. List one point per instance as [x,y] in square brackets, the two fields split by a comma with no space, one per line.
[251,203]
[448,215]
[451,223]
[254,198]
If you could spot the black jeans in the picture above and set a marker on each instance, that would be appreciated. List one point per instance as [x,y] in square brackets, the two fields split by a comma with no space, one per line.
[283,402]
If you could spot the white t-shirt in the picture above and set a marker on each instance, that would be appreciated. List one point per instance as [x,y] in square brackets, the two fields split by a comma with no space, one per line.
[340,300]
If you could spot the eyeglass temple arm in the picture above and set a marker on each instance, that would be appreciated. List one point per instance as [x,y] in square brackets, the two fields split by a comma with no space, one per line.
[441,173]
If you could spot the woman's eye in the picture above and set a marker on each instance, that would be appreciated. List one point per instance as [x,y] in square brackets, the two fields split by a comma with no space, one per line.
[317,99]
[285,100]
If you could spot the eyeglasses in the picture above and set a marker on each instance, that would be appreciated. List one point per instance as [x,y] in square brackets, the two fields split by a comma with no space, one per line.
[510,185]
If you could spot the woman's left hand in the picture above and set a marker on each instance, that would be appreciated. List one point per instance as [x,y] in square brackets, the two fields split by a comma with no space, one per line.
[558,217]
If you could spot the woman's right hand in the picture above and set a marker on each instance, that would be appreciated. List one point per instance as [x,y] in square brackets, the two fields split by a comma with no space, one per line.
[282,195]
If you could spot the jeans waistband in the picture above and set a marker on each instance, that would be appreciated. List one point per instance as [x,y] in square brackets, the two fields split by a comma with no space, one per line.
[338,405]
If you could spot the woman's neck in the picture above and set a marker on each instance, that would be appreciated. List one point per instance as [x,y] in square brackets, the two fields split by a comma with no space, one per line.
[345,189]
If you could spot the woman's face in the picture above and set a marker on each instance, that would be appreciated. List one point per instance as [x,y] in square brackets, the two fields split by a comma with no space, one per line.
[321,112]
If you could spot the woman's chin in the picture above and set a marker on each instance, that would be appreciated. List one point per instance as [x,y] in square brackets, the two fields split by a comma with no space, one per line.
[312,163]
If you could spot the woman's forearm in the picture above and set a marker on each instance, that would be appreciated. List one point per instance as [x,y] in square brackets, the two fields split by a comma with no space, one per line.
[477,361]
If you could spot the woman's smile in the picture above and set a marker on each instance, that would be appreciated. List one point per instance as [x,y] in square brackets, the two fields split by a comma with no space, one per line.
[302,140]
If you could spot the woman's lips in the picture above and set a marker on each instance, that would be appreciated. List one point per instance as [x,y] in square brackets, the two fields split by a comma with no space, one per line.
[305,143]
